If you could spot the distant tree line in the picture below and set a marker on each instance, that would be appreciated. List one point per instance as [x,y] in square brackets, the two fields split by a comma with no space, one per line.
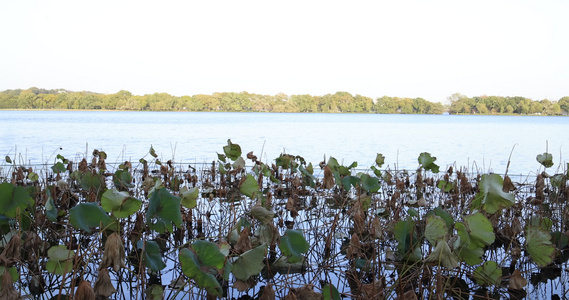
[460,104]
[343,102]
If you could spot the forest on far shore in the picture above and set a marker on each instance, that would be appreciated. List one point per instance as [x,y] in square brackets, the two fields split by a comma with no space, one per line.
[340,102]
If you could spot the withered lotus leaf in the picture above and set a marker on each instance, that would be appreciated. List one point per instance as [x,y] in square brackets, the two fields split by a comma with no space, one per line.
[114,255]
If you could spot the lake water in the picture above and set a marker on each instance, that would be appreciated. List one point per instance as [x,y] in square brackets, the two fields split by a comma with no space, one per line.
[480,143]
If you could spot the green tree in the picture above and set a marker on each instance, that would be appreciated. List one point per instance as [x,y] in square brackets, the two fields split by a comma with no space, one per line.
[386,105]
[344,101]
[235,102]
[363,104]
[524,106]
[481,108]
[535,108]
[460,104]
[7,101]
[26,99]
[327,104]
[564,104]
[509,109]
[304,103]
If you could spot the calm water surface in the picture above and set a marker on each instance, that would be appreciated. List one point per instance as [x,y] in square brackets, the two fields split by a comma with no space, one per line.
[482,142]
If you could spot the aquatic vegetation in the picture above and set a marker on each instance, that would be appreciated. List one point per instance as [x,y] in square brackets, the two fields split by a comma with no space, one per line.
[240,227]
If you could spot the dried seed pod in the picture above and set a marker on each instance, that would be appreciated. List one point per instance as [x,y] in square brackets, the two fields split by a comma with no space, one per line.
[114,255]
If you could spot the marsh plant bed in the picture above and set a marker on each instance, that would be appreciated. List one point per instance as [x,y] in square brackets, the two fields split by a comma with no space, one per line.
[243,229]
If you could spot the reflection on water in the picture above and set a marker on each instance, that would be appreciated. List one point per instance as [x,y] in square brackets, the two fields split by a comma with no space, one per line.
[482,142]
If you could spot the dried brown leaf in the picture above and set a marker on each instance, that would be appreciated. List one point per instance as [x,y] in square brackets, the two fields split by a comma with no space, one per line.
[244,242]
[114,255]
[328,178]
[11,253]
[508,186]
[372,290]
[307,292]
[268,293]
[517,281]
[84,291]
[7,290]
[103,285]
[290,206]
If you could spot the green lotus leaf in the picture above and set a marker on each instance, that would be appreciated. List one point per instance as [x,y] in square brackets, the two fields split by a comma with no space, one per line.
[13,273]
[293,244]
[407,239]
[88,216]
[427,162]
[559,239]
[471,256]
[267,234]
[60,260]
[491,196]
[445,215]
[435,229]
[285,161]
[155,292]
[209,254]
[445,186]
[250,263]
[152,152]
[151,255]
[376,171]
[310,169]
[476,231]
[544,223]
[379,160]
[545,159]
[121,204]
[236,230]
[163,210]
[189,197]
[13,199]
[122,179]
[201,263]
[442,255]
[233,151]
[262,214]
[539,246]
[329,292]
[488,274]
[333,164]
[90,181]
[349,181]
[58,167]
[33,176]
[239,163]
[370,184]
[249,187]
[307,177]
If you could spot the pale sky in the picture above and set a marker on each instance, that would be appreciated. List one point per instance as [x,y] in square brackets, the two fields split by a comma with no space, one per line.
[414,48]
